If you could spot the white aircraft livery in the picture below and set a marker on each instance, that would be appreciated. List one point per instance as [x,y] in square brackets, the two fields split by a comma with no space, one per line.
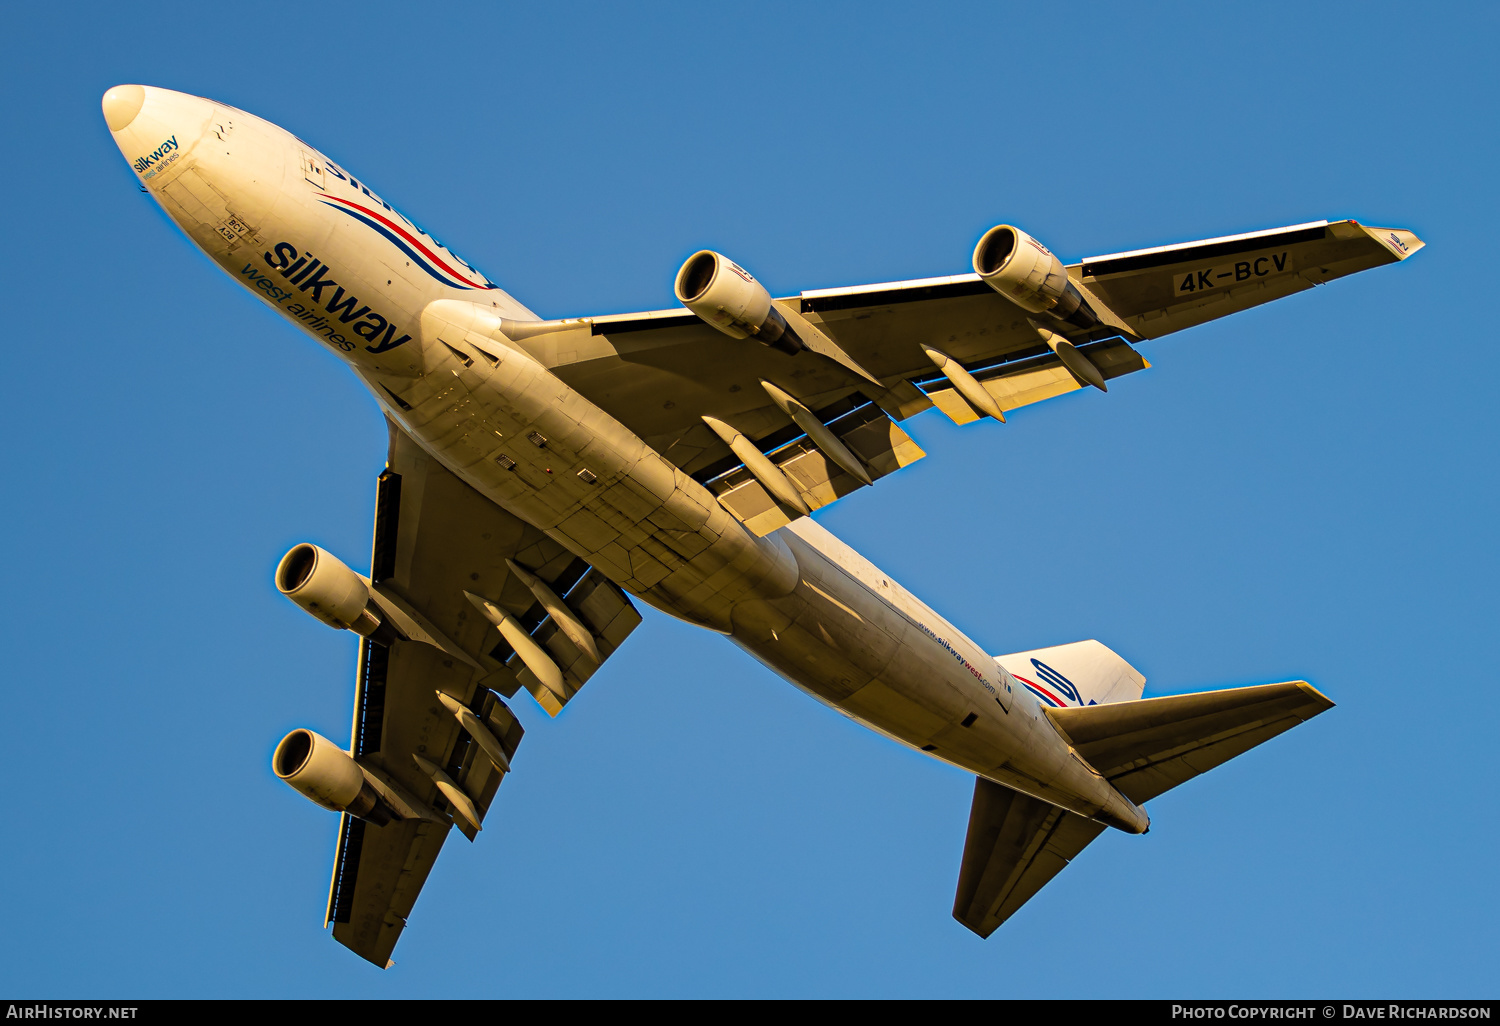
[545,475]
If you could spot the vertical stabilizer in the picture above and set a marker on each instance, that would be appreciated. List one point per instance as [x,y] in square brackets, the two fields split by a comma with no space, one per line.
[1078,674]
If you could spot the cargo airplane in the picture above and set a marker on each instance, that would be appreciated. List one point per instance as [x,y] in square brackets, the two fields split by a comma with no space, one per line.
[543,476]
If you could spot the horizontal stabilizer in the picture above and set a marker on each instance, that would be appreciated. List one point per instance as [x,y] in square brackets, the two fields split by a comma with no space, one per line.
[1017,843]
[1151,745]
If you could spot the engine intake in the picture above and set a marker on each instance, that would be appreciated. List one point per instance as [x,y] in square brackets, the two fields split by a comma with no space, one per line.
[728,297]
[326,775]
[322,585]
[1027,273]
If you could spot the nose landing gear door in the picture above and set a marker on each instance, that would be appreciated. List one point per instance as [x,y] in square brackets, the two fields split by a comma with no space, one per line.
[312,170]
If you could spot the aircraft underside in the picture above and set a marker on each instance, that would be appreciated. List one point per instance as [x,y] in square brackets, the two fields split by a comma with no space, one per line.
[543,476]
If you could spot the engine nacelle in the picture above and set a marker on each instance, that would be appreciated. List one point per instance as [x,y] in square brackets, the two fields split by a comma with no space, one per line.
[326,775]
[322,585]
[1025,272]
[729,298]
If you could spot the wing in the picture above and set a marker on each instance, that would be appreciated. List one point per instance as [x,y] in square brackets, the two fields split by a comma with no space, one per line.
[661,373]
[1159,291]
[437,541]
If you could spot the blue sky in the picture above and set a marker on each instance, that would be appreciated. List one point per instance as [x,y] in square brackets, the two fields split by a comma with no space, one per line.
[1306,490]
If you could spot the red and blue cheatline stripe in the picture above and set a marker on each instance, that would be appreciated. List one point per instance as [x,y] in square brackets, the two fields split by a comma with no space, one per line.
[406,242]
[1042,693]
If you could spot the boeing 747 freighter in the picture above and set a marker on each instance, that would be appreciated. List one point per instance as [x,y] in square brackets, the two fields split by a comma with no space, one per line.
[544,476]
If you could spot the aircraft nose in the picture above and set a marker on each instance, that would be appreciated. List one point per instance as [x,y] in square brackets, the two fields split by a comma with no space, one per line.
[153,127]
[122,104]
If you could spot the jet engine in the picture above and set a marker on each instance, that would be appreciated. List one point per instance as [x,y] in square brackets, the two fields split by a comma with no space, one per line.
[326,774]
[729,298]
[1025,272]
[322,585]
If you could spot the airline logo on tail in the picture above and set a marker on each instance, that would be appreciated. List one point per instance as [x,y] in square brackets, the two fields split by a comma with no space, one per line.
[1052,687]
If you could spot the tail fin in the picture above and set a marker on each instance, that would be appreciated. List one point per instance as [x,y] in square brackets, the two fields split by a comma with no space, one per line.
[1017,843]
[1079,674]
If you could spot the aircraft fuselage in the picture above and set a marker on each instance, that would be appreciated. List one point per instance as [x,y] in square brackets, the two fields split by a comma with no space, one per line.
[422,329]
